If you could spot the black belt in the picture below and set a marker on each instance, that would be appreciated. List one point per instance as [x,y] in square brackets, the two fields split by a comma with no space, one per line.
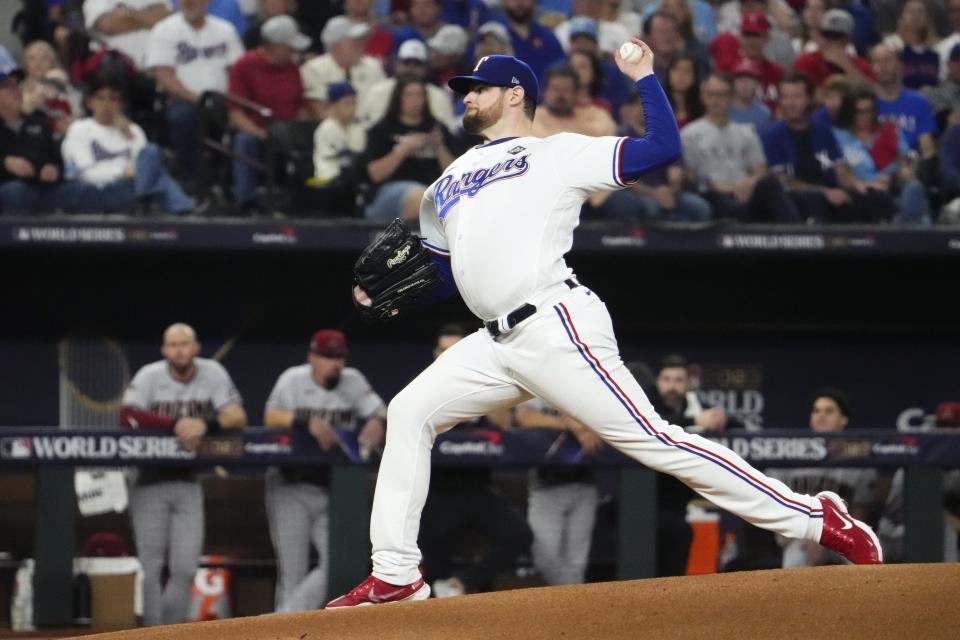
[520,314]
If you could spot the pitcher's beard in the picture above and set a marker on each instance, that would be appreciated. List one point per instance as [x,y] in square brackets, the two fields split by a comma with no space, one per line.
[476,123]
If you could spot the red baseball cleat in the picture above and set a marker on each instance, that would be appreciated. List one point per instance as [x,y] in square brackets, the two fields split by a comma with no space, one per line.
[376,591]
[845,535]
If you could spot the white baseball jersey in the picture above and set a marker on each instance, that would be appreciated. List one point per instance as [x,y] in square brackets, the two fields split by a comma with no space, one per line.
[99,155]
[199,57]
[335,146]
[530,234]
[340,407]
[210,390]
[132,43]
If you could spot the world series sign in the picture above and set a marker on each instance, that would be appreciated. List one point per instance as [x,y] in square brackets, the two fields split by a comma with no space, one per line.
[461,447]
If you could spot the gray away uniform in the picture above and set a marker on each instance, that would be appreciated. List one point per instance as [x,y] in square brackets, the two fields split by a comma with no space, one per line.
[296,498]
[166,505]
[855,485]
[562,508]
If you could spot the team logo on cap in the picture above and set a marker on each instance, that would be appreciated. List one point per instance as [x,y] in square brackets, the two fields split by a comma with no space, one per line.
[480,63]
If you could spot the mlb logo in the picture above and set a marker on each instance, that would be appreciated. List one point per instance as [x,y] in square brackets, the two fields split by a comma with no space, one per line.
[16,448]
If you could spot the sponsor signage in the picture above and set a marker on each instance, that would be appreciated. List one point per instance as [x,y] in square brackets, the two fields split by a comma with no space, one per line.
[528,447]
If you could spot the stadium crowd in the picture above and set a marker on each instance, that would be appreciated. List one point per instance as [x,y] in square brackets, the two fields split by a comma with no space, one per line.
[791,110]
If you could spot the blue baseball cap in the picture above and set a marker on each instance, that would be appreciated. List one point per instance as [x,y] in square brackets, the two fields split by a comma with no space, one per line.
[338,90]
[500,71]
[583,26]
[8,70]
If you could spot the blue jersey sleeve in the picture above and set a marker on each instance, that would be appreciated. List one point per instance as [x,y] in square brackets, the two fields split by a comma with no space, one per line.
[660,143]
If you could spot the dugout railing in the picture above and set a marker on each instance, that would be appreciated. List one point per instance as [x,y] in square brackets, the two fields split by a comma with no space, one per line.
[55,453]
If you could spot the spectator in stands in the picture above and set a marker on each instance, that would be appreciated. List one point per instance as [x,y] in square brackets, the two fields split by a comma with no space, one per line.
[268,9]
[829,413]
[267,76]
[411,64]
[112,154]
[194,398]
[782,20]
[124,25]
[582,34]
[340,138]
[622,13]
[683,89]
[467,14]
[190,53]
[425,21]
[406,151]
[729,51]
[47,89]
[532,42]
[832,56]
[463,499]
[379,41]
[864,24]
[587,66]
[610,34]
[808,38]
[344,61]
[945,98]
[914,41]
[228,10]
[831,96]
[726,161]
[950,173]
[804,153]
[689,43]
[947,44]
[704,19]
[331,402]
[660,33]
[31,173]
[907,108]
[491,39]
[878,154]
[560,112]
[447,48]
[663,192]
[747,107]
[562,501]
[615,88]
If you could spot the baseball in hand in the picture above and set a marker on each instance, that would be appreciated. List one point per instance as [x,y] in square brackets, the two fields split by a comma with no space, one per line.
[630,53]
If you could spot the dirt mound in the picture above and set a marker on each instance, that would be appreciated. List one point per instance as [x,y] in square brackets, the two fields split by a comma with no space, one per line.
[906,602]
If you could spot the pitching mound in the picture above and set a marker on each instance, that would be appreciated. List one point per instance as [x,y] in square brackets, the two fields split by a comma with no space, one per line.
[906,602]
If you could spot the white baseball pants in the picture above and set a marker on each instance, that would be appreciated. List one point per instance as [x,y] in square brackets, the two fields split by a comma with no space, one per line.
[567,355]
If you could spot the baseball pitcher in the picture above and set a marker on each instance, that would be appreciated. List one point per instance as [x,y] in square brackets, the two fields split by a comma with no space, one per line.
[499,221]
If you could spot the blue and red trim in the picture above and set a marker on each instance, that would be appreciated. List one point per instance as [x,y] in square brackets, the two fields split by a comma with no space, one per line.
[648,427]
[618,164]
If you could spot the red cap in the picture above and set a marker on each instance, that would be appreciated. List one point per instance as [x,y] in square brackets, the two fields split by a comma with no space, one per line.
[329,343]
[754,22]
[748,67]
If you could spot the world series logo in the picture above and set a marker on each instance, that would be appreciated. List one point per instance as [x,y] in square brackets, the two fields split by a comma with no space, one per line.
[16,448]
